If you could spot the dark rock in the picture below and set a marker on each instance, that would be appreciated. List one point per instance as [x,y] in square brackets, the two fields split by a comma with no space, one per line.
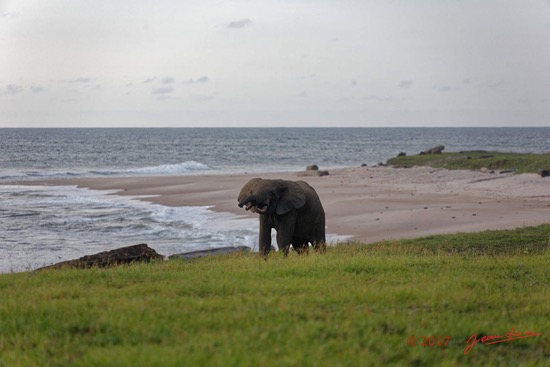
[209,252]
[435,150]
[313,167]
[311,173]
[402,154]
[544,172]
[364,165]
[123,255]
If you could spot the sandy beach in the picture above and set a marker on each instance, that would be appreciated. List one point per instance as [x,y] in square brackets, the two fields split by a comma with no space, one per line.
[369,204]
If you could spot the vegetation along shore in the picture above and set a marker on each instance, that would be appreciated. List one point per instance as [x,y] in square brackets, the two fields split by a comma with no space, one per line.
[478,160]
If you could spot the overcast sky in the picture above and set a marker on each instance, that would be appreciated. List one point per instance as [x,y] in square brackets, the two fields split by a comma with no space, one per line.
[179,63]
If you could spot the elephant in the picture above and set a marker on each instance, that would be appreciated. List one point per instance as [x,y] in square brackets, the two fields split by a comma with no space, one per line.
[293,208]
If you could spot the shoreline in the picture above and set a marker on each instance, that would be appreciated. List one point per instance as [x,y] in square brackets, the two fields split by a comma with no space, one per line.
[369,204]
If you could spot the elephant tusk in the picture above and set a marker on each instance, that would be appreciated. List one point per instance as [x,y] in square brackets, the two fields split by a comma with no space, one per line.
[249,203]
[261,210]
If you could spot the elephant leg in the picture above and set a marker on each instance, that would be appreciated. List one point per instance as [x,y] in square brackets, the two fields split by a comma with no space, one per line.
[285,232]
[320,246]
[283,241]
[319,242]
[301,245]
[264,241]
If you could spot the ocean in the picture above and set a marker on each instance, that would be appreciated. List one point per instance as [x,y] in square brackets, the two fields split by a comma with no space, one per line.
[41,225]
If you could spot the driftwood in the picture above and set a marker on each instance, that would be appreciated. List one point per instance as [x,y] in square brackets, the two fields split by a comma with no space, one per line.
[214,251]
[123,255]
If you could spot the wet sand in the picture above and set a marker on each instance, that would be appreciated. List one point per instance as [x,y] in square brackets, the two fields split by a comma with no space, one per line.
[368,204]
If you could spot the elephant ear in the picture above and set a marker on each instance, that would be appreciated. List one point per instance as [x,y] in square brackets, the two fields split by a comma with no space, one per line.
[292,197]
[247,189]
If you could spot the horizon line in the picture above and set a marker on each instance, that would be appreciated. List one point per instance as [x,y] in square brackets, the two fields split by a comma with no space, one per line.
[276,127]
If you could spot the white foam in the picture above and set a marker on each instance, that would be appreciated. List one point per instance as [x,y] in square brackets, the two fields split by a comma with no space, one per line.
[164,169]
[52,224]
[42,225]
[160,170]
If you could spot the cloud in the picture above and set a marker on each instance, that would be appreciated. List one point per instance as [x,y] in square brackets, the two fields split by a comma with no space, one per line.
[307,77]
[494,84]
[80,80]
[373,98]
[13,89]
[238,24]
[9,15]
[405,84]
[201,80]
[204,98]
[491,84]
[161,87]
[345,99]
[37,89]
[163,90]
[443,89]
[163,93]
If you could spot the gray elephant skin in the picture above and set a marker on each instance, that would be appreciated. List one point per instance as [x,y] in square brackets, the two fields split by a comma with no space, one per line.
[292,208]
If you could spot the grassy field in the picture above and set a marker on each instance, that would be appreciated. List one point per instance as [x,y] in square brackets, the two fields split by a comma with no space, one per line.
[356,305]
[520,163]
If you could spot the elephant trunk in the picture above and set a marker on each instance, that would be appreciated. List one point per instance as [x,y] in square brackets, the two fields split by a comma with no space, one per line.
[250,203]
[245,201]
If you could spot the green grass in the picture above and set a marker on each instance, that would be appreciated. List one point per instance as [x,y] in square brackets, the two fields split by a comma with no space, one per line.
[356,305]
[521,163]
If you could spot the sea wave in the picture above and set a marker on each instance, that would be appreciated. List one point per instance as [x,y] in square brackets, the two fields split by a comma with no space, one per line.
[164,169]
[160,170]
[47,224]
[9,175]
